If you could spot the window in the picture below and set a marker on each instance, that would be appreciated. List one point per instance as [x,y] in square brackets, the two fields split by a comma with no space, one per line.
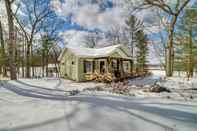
[126,66]
[88,67]
[114,65]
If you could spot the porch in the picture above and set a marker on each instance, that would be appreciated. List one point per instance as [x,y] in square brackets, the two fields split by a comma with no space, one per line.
[117,68]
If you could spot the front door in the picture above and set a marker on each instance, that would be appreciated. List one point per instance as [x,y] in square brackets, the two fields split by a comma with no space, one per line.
[102,66]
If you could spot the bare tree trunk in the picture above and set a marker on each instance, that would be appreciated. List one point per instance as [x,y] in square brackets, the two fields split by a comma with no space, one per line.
[11,43]
[17,52]
[28,60]
[57,70]
[3,51]
[22,69]
[32,63]
[43,63]
[1,48]
[47,63]
[29,52]
[169,61]
[170,48]
[23,57]
[191,68]
[56,62]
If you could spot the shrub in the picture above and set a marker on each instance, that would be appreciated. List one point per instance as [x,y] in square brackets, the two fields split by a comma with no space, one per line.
[157,89]
[74,92]
[97,88]
[120,88]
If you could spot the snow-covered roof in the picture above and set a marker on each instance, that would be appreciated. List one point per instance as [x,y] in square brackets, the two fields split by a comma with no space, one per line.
[93,52]
[98,52]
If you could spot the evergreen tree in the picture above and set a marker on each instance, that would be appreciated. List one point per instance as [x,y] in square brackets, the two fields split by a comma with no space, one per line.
[47,43]
[142,50]
[134,25]
[186,49]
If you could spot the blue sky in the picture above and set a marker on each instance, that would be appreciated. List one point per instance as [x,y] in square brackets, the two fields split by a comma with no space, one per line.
[103,6]
[82,18]
[104,16]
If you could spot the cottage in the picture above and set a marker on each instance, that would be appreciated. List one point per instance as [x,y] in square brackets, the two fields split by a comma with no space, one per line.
[79,63]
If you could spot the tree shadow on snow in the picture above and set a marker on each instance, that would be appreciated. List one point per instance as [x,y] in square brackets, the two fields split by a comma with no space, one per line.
[99,102]
[48,122]
[30,85]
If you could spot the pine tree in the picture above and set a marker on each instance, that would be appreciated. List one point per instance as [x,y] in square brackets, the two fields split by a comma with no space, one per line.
[134,25]
[186,49]
[142,50]
[47,43]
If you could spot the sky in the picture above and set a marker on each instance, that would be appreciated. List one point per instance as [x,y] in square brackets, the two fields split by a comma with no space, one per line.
[104,15]
[85,17]
[96,15]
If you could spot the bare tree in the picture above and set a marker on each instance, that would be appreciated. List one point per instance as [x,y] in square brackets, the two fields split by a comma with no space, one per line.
[11,42]
[159,46]
[36,12]
[91,39]
[50,37]
[173,11]
[2,51]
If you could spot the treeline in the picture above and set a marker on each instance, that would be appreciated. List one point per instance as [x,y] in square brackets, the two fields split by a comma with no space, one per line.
[30,36]
[29,39]
[186,44]
[179,19]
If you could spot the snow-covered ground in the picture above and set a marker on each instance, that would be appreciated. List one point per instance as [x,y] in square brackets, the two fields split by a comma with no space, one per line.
[42,104]
[181,88]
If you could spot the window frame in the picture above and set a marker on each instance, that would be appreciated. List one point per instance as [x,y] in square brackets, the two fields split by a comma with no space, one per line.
[85,69]
[126,66]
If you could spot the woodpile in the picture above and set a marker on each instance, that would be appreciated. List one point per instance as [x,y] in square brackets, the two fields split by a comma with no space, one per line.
[120,88]
[106,77]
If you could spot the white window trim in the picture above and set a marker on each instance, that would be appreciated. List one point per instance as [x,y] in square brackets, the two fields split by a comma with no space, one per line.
[91,68]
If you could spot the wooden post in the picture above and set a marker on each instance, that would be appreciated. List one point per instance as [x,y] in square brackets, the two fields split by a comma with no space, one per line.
[121,67]
[109,65]
[93,66]
[131,66]
[118,65]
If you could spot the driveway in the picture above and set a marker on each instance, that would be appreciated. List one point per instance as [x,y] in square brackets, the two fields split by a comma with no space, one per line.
[39,105]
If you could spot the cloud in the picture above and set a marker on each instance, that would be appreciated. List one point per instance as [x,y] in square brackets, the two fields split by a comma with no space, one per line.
[87,16]
[91,14]
[74,38]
